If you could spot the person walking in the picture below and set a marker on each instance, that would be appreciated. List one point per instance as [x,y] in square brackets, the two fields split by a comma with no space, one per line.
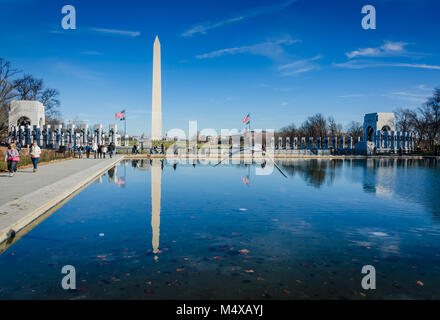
[88,148]
[111,149]
[100,151]
[104,150]
[80,151]
[95,149]
[35,153]
[12,157]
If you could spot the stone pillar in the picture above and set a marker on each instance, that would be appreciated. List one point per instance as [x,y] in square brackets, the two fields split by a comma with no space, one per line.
[28,135]
[280,143]
[404,141]
[326,140]
[287,143]
[342,143]
[98,133]
[295,143]
[57,134]
[399,140]
[334,144]
[393,141]
[303,143]
[70,133]
[318,143]
[386,140]
[113,129]
[350,143]
[272,143]
[311,143]
[126,141]
[378,139]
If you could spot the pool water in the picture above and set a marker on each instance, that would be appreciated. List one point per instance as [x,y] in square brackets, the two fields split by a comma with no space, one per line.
[154,230]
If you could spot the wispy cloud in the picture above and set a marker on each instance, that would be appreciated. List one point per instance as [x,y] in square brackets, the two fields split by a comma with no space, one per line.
[114,32]
[202,28]
[388,49]
[76,71]
[299,66]
[410,96]
[362,64]
[92,53]
[271,49]
[350,96]
[117,32]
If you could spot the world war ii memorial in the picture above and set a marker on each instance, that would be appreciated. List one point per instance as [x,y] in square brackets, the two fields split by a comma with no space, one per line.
[236,156]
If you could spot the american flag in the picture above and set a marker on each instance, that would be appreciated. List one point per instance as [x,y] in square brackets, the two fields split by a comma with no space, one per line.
[120,115]
[247,119]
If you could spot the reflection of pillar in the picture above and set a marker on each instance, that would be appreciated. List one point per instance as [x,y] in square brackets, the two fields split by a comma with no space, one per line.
[156,188]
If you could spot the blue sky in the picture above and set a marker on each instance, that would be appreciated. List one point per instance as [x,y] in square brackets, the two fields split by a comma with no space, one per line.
[280,60]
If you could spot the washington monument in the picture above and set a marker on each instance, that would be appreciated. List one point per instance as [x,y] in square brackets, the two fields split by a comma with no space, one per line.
[156,109]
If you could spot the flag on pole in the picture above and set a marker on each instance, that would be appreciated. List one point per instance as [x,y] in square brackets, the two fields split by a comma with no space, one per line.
[247,119]
[120,115]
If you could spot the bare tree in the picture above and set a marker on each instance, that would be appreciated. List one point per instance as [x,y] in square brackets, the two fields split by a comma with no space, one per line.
[334,129]
[355,129]
[315,126]
[430,117]
[405,119]
[7,92]
[49,98]
[28,87]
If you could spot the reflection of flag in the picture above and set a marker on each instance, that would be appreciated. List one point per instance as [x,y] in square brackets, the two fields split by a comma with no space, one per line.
[120,182]
[245,180]
[247,119]
[120,115]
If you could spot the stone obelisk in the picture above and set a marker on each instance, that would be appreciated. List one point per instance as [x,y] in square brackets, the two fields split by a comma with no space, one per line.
[156,110]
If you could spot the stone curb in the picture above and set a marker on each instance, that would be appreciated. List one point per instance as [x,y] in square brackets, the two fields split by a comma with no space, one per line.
[17,214]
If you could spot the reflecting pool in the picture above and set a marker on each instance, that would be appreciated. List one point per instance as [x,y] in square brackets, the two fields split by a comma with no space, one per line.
[156,230]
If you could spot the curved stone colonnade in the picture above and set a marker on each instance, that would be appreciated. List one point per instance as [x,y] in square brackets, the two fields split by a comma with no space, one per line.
[56,136]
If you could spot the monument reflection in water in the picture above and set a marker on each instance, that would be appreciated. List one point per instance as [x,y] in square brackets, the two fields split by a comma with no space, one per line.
[156,190]
[228,233]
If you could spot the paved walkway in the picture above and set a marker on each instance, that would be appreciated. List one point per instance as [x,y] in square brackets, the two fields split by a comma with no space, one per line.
[28,195]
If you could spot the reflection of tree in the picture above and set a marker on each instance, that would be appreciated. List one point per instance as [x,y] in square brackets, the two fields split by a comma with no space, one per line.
[315,172]
[412,180]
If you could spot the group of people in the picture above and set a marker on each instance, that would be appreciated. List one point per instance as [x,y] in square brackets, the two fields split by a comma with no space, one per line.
[12,156]
[99,151]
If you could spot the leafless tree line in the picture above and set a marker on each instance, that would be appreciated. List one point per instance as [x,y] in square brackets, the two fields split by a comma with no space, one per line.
[319,126]
[424,121]
[14,85]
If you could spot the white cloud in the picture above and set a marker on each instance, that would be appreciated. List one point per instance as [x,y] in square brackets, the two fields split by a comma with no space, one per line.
[388,49]
[202,28]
